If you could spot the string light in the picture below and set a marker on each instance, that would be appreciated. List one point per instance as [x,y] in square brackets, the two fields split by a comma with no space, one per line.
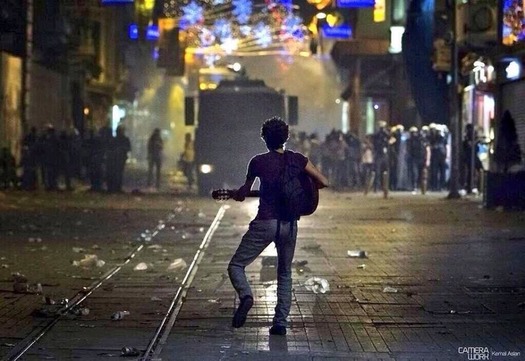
[238,26]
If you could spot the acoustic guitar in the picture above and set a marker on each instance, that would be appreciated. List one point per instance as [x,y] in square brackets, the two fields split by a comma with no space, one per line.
[309,185]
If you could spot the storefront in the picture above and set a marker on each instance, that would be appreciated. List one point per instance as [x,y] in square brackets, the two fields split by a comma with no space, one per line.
[506,176]
[479,107]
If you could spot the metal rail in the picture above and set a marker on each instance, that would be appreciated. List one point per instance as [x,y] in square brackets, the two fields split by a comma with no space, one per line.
[77,299]
[155,345]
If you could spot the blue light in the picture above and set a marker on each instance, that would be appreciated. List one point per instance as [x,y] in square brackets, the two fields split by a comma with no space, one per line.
[152,32]
[337,32]
[193,14]
[242,10]
[355,3]
[133,31]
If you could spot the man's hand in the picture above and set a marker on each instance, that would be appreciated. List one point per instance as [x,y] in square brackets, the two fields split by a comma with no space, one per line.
[238,196]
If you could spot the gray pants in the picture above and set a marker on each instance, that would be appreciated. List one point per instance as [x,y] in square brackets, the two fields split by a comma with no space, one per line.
[259,235]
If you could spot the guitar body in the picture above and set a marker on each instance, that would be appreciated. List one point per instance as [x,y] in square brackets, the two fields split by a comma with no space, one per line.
[311,191]
[310,187]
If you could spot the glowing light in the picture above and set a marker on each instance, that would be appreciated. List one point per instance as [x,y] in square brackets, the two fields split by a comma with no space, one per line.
[229,45]
[233,26]
[242,10]
[513,70]
[117,114]
[223,29]
[334,19]
[396,36]
[192,14]
[236,66]
[321,16]
[206,168]
[262,35]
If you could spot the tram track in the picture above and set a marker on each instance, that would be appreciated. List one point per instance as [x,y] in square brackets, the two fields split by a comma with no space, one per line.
[89,293]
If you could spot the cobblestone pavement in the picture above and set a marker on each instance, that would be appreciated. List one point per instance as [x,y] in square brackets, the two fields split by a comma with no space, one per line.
[456,268]
[456,271]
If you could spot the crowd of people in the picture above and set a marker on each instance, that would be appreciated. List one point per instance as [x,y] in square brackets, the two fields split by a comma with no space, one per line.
[389,157]
[52,159]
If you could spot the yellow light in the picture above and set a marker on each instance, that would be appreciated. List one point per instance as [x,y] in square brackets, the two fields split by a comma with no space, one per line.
[334,19]
[379,11]
[320,4]
[86,111]
[149,4]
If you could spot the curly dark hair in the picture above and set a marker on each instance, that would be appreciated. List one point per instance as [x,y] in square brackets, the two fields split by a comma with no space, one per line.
[274,131]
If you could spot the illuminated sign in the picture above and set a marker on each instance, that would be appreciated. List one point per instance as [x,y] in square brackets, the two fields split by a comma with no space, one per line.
[337,32]
[379,11]
[133,31]
[152,32]
[355,3]
[396,39]
[513,70]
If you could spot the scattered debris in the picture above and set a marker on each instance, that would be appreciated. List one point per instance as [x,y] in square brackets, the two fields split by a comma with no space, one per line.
[362,266]
[214,300]
[79,311]
[389,289]
[17,277]
[141,266]
[178,264]
[317,285]
[300,263]
[119,315]
[78,250]
[312,248]
[161,225]
[89,260]
[34,239]
[129,351]
[146,235]
[22,285]
[357,254]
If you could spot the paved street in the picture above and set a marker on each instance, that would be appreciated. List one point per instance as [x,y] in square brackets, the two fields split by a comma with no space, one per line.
[441,280]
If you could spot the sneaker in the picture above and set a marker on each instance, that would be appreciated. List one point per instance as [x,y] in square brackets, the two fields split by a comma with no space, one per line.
[278,330]
[242,311]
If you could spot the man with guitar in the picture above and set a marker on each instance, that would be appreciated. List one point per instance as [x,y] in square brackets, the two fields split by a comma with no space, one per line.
[270,225]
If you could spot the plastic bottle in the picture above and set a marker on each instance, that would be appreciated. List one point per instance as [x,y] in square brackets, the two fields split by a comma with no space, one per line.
[119,315]
[129,351]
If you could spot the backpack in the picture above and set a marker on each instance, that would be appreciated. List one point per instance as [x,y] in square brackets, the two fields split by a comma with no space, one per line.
[298,193]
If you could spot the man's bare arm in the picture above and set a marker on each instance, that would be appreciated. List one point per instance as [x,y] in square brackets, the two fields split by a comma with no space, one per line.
[316,174]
